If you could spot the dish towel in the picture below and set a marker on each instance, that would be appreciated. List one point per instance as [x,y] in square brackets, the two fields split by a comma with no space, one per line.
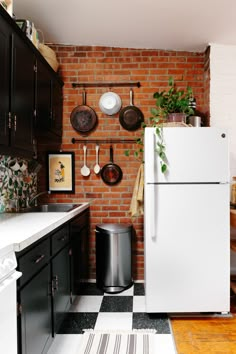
[136,205]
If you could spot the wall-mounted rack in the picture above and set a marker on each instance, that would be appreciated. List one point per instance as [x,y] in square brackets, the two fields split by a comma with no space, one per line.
[105,84]
[104,141]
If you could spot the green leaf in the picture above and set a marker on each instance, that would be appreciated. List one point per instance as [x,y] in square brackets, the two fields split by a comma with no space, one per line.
[154,111]
[171,81]
[143,125]
[158,132]
[162,155]
[139,141]
[163,168]
[160,145]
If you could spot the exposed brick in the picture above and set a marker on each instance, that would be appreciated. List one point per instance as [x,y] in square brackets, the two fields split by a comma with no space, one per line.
[152,68]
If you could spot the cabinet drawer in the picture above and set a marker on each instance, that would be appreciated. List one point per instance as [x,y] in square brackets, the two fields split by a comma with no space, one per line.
[59,239]
[32,261]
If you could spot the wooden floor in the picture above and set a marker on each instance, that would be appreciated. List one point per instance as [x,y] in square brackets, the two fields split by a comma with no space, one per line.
[206,335]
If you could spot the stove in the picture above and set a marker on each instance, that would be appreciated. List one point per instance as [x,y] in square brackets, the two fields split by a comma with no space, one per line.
[8,301]
[8,265]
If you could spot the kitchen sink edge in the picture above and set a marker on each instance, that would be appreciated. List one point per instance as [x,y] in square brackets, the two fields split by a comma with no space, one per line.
[19,230]
[51,207]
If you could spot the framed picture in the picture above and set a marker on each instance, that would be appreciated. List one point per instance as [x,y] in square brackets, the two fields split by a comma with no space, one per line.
[61,172]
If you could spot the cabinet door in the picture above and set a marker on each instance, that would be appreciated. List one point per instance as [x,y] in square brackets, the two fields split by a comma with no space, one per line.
[48,104]
[57,104]
[36,314]
[43,99]
[4,81]
[22,94]
[79,233]
[61,286]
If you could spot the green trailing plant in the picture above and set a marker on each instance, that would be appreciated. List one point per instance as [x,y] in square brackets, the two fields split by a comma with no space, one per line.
[173,100]
[160,145]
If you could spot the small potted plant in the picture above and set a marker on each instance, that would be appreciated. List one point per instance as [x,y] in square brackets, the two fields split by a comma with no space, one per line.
[171,106]
[174,104]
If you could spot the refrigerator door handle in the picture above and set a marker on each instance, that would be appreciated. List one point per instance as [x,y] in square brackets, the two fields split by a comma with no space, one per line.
[152,217]
[151,156]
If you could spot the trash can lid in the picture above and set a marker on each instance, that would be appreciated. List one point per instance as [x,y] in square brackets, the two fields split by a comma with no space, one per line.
[116,228]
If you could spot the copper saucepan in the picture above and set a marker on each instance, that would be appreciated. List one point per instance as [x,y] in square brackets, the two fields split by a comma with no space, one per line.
[111,173]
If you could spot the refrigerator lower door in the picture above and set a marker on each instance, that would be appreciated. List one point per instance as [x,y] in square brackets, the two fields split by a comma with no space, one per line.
[187,248]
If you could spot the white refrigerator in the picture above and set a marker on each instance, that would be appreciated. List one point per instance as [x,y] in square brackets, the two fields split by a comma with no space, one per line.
[186,222]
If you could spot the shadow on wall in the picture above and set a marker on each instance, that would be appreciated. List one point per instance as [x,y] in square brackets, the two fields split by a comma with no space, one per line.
[17,183]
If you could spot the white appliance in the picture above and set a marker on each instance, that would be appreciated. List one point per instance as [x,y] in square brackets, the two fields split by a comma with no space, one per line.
[187,227]
[8,302]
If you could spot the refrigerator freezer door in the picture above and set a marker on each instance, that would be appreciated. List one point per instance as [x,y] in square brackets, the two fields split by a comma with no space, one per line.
[187,250]
[193,154]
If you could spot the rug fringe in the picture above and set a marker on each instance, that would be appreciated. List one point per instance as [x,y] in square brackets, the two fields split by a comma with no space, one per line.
[133,331]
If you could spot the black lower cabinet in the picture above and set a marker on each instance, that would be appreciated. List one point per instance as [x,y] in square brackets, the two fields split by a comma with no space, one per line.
[79,237]
[52,270]
[60,287]
[35,320]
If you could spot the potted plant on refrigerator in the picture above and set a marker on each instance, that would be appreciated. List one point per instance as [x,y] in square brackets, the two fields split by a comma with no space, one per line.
[173,105]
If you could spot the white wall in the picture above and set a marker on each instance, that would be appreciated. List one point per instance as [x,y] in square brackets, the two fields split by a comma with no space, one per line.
[223,93]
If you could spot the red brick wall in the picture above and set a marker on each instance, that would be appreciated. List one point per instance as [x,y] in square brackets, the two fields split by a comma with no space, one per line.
[101,64]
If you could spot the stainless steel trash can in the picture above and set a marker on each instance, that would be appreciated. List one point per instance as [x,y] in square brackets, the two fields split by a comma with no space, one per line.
[113,257]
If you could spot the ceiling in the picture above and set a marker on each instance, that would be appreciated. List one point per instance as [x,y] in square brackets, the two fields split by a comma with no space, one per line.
[155,24]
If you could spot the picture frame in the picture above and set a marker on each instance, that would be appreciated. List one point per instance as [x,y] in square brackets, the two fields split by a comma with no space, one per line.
[61,171]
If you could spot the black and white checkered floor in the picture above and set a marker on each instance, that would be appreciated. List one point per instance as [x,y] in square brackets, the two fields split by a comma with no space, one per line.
[96,310]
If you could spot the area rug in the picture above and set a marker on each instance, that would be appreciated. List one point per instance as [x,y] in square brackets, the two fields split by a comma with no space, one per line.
[124,342]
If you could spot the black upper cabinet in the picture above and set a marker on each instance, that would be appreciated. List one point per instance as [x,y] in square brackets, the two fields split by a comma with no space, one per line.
[48,104]
[43,99]
[22,95]
[5,37]
[30,91]
[57,103]
[17,92]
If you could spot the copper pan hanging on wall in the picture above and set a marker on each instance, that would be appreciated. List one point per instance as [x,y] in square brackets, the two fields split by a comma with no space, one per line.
[111,173]
[131,116]
[83,118]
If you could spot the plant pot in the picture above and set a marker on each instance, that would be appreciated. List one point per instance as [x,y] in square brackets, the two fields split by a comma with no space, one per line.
[176,117]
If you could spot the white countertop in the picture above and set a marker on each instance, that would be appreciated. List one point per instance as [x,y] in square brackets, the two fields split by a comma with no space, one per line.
[20,230]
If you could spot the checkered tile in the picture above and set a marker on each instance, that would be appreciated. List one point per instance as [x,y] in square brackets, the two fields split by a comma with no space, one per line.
[124,311]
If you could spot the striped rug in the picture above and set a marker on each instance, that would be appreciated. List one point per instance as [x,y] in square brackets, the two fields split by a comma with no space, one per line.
[118,343]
